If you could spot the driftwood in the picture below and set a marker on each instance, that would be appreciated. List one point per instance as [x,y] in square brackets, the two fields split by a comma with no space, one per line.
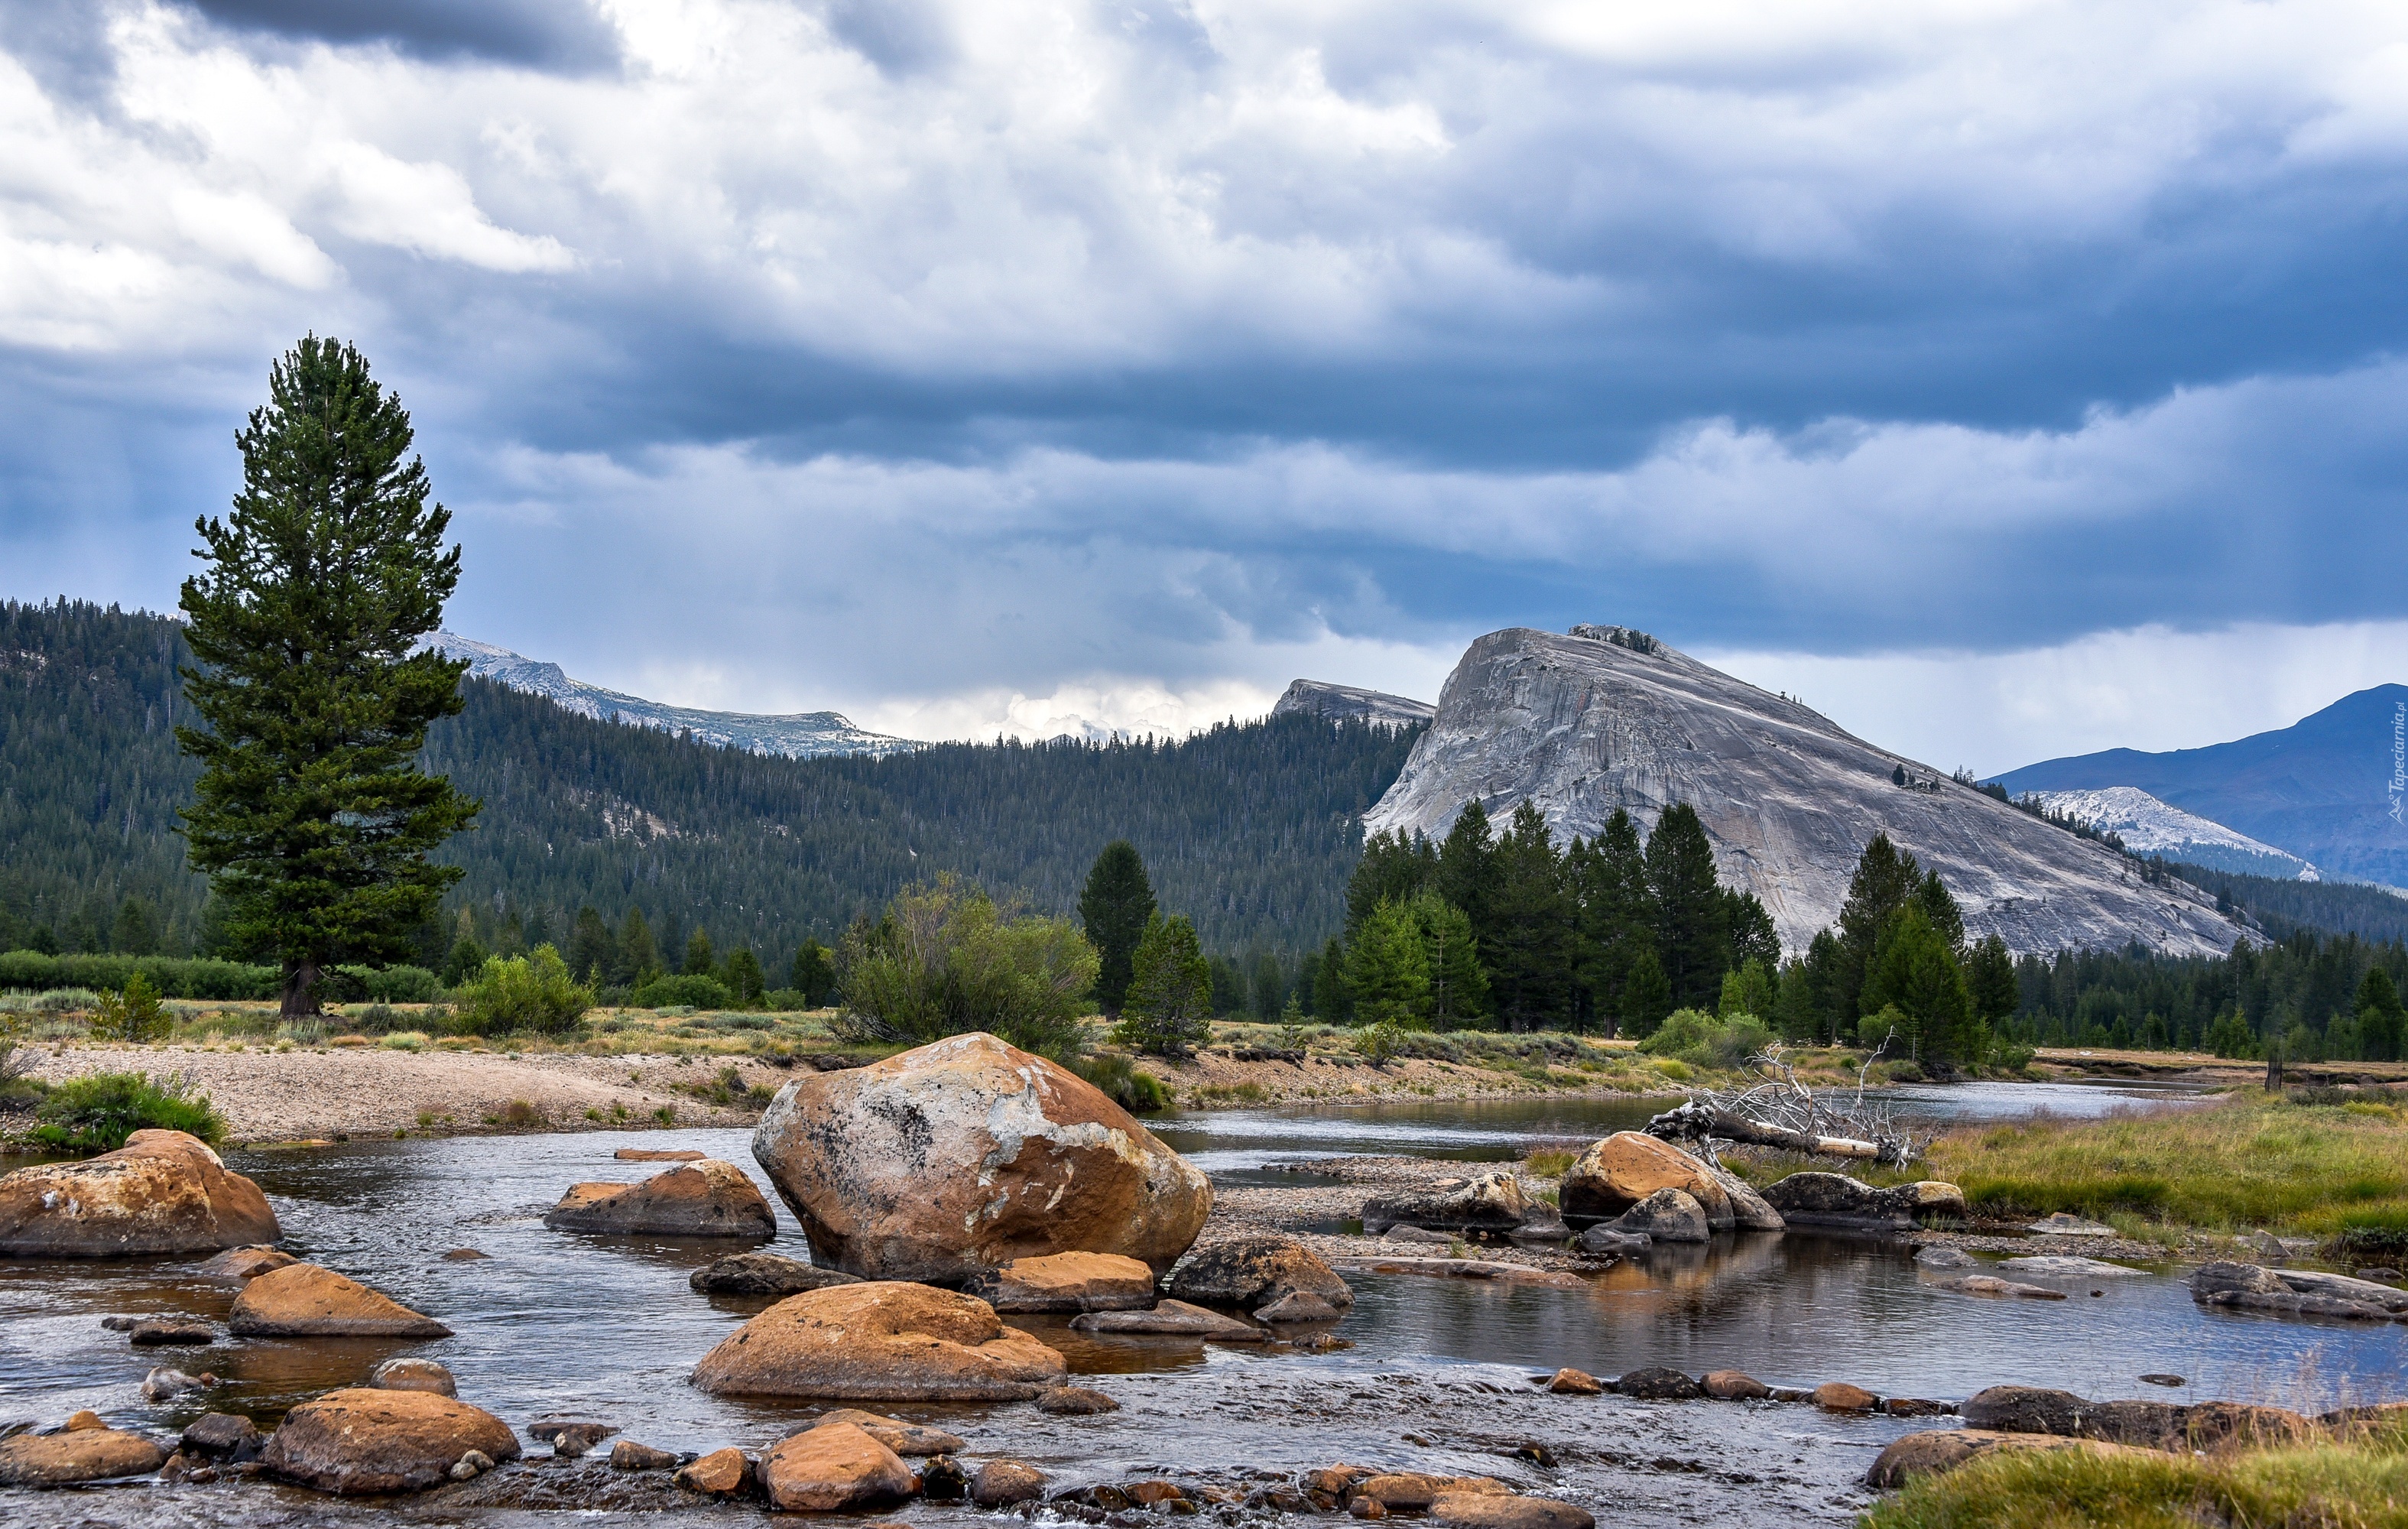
[1783,1112]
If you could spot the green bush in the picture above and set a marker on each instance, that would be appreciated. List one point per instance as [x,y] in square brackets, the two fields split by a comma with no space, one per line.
[133,1013]
[530,993]
[1701,1041]
[1139,1093]
[95,1114]
[946,960]
[394,984]
[678,991]
[215,979]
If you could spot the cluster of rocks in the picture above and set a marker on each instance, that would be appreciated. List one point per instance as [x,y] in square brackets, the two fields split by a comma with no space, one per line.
[2037,1418]
[1660,1383]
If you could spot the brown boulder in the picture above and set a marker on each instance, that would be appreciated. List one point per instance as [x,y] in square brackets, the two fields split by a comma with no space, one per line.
[721,1473]
[1734,1386]
[302,1300]
[164,1191]
[1839,1397]
[1067,1282]
[79,1454]
[1488,1510]
[1255,1268]
[246,1263]
[628,1455]
[1944,1449]
[1003,1483]
[900,1437]
[705,1199]
[1571,1382]
[1627,1168]
[1075,1402]
[1750,1211]
[959,1157]
[368,1441]
[880,1342]
[832,1467]
[764,1274]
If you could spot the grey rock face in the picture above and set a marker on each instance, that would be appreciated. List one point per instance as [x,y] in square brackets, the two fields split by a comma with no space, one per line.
[1584,724]
[1343,703]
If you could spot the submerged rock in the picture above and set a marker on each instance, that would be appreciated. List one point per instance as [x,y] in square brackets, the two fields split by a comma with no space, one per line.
[1605,1241]
[1945,1258]
[414,1375]
[165,1332]
[164,1191]
[1067,1282]
[222,1436]
[1171,1319]
[1990,1284]
[75,1456]
[1657,1384]
[1493,1202]
[1075,1402]
[1297,1307]
[704,1199]
[881,1341]
[1003,1483]
[242,1264]
[764,1274]
[954,1159]
[1259,1267]
[2065,1267]
[1622,1170]
[364,1441]
[1488,1510]
[2064,1225]
[659,1154]
[1414,1492]
[166,1382]
[302,1300]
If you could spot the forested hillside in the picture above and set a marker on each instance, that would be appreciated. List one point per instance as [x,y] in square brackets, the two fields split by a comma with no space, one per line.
[1249,828]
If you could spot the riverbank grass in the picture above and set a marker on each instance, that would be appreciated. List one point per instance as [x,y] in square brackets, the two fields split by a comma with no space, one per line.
[2359,1484]
[2320,1165]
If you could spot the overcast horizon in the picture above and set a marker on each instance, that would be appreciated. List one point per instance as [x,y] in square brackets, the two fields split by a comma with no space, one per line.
[2007,380]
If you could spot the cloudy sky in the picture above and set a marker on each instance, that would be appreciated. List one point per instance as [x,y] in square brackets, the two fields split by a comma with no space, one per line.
[2007,378]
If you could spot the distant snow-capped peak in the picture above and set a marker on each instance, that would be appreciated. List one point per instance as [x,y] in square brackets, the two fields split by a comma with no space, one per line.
[2149,826]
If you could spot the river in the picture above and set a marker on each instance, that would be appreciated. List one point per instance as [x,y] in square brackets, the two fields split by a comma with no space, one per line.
[1438,1378]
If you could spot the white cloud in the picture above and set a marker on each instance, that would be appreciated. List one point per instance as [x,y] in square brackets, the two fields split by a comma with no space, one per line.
[2149,688]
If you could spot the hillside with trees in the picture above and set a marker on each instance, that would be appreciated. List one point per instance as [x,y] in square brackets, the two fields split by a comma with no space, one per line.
[1249,828]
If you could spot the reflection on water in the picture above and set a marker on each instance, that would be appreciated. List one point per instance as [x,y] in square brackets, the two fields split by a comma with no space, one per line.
[555,1321]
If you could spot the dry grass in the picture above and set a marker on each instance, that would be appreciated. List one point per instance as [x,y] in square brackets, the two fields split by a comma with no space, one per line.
[2245,1163]
[2357,1484]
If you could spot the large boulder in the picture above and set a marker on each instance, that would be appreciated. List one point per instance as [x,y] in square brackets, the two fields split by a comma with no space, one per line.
[833,1467]
[1493,1202]
[705,1199]
[77,1455]
[952,1160]
[1750,1211]
[1067,1282]
[764,1274]
[883,1342]
[1628,1166]
[364,1441]
[164,1191]
[1834,1199]
[303,1300]
[1255,1269]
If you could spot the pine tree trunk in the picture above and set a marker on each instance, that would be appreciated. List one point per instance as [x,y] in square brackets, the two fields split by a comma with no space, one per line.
[300,990]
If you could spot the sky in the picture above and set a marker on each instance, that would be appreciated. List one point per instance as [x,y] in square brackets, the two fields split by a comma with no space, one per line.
[2005,378]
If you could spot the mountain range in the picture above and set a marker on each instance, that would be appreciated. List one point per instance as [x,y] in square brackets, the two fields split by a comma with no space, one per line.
[2148,826]
[802,735]
[2332,788]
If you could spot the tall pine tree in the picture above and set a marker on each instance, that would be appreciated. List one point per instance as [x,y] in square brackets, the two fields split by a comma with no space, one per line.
[1526,946]
[311,815]
[1115,907]
[1692,940]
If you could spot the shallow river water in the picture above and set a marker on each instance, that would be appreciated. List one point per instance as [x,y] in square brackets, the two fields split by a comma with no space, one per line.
[1438,1378]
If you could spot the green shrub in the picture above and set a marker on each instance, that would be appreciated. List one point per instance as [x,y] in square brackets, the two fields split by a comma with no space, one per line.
[96,1113]
[133,1013]
[681,992]
[394,984]
[1139,1093]
[377,1020]
[531,992]
[947,958]
[218,979]
[1701,1041]
[1377,1043]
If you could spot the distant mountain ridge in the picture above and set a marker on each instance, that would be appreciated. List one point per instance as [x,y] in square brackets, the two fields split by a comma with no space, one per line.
[1341,703]
[2150,827]
[803,734]
[2332,788]
[1604,717]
